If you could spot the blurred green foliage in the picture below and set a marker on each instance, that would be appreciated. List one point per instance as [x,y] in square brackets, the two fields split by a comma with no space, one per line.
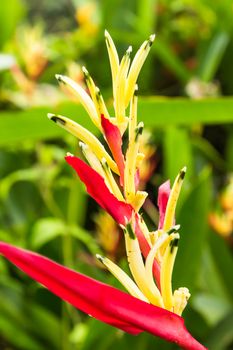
[43,208]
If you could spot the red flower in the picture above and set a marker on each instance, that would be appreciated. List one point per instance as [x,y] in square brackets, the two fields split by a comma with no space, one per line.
[101,301]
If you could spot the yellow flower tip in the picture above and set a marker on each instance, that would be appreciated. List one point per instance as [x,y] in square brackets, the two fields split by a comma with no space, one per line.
[106,33]
[58,119]
[51,115]
[60,78]
[139,130]
[174,242]
[100,258]
[68,154]
[97,92]
[151,38]
[174,229]
[108,38]
[129,50]
[181,297]
[183,172]
[83,146]
[85,72]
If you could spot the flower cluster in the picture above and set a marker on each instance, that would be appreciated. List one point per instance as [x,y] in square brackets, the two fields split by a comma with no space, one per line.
[222,220]
[112,180]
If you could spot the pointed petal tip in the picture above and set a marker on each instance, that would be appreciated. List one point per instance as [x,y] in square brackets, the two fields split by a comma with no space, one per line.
[60,78]
[58,119]
[100,257]
[85,72]
[152,37]
[51,115]
[182,172]
[129,50]
[68,154]
[82,145]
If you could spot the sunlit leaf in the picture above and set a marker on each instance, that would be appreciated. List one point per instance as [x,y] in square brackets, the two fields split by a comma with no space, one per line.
[221,336]
[212,308]
[193,219]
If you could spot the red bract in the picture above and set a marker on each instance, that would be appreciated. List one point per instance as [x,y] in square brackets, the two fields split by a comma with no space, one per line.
[98,190]
[114,139]
[101,301]
[163,196]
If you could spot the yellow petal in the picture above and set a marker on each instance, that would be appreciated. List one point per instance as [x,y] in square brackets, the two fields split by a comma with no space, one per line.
[137,200]
[137,268]
[136,66]
[113,185]
[113,58]
[119,103]
[85,136]
[172,201]
[95,95]
[181,297]
[166,270]
[122,277]
[151,256]
[92,159]
[82,96]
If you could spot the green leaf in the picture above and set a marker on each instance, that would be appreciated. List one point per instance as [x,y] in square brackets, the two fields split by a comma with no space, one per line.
[177,152]
[221,336]
[47,229]
[85,237]
[229,149]
[213,56]
[31,321]
[30,174]
[210,279]
[171,60]
[193,220]
[16,127]
[10,15]
[146,18]
[16,336]
[223,259]
[182,111]
[208,150]
[212,308]
[79,333]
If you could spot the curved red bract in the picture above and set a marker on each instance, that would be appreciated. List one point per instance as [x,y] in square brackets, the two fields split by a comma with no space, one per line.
[98,190]
[114,139]
[102,301]
[163,196]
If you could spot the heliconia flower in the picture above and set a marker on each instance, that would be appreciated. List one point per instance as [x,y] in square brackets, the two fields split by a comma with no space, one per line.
[101,301]
[152,305]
